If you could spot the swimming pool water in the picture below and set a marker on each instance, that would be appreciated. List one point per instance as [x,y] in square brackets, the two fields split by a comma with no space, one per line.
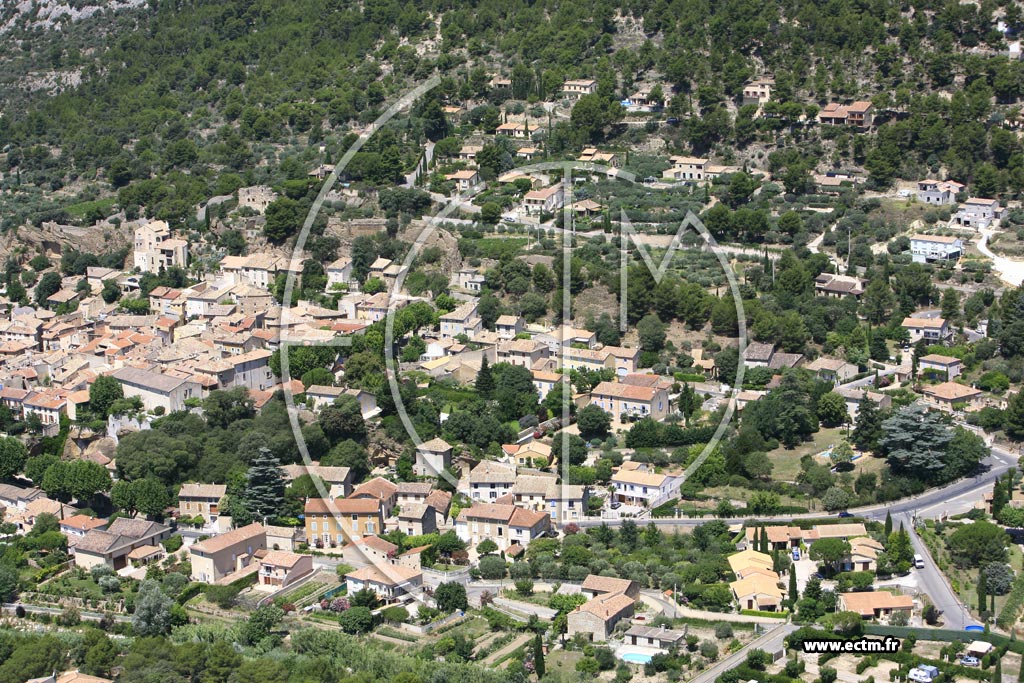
[636,658]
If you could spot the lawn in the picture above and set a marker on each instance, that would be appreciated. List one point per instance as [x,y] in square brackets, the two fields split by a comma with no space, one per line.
[786,462]
[563,660]
[541,598]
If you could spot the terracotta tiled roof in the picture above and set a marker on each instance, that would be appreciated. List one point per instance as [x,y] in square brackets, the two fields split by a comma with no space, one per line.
[222,541]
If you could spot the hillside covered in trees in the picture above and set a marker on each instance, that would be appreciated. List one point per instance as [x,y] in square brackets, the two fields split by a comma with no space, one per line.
[182,101]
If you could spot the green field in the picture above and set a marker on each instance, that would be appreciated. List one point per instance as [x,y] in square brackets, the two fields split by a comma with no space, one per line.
[81,209]
[493,247]
[787,461]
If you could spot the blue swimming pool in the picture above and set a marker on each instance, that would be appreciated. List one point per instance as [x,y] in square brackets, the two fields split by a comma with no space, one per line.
[636,658]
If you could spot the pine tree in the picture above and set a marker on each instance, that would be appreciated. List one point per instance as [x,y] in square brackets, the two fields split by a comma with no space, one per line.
[868,428]
[538,656]
[888,523]
[485,379]
[982,597]
[793,594]
[264,493]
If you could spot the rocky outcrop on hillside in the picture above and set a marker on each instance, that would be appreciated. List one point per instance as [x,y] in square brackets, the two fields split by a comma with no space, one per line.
[52,238]
[51,14]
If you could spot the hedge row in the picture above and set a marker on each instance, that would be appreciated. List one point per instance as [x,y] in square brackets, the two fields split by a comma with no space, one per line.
[1014,602]
[760,613]
[947,635]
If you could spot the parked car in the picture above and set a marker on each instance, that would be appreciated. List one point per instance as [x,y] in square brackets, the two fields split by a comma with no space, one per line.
[615,505]
[969,661]
[796,554]
[844,513]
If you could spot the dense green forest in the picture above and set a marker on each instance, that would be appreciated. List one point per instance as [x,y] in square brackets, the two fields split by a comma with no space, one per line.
[183,100]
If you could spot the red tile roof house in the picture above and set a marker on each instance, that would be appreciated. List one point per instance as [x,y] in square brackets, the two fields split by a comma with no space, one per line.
[932,329]
[280,568]
[369,550]
[631,400]
[111,547]
[952,396]
[503,524]
[224,554]
[379,489]
[77,526]
[876,604]
[598,616]
[595,586]
[330,523]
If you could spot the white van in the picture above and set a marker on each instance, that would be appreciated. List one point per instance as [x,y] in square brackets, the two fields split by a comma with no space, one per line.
[923,674]
[918,561]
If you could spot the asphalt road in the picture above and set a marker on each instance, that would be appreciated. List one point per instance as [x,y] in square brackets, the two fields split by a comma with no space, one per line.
[932,503]
[931,581]
[769,642]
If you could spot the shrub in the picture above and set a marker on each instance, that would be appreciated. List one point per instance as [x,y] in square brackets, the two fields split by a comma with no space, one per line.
[173,544]
[709,650]
[723,630]
[109,584]
[222,596]
[99,571]
[69,617]
[395,614]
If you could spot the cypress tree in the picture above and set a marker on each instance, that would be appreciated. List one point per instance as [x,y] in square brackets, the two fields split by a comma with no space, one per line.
[888,524]
[982,592]
[997,675]
[998,497]
[793,594]
[538,657]
[484,379]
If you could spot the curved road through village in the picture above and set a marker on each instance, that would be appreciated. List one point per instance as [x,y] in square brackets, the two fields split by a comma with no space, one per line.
[933,503]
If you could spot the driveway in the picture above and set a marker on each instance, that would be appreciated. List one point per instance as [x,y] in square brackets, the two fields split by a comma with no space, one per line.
[804,568]
[1009,271]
